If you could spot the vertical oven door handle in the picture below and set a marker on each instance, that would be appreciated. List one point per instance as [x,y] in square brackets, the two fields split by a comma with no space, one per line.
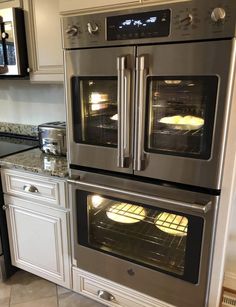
[123,101]
[141,72]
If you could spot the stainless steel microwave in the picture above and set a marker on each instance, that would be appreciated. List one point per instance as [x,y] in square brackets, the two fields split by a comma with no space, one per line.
[13,50]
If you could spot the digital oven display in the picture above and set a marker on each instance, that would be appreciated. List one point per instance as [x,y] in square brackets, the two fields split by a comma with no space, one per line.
[140,25]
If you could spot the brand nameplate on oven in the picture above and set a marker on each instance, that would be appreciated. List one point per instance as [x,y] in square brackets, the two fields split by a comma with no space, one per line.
[140,25]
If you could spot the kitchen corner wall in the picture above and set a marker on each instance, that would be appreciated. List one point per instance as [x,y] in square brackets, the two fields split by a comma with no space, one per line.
[230,265]
[23,102]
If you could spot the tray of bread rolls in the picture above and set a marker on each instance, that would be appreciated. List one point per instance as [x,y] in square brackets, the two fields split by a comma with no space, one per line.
[179,122]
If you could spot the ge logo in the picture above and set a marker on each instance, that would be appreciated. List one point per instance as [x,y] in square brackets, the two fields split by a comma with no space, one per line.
[131,272]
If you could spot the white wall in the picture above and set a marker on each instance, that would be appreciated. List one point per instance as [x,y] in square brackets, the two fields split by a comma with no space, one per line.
[230,265]
[23,102]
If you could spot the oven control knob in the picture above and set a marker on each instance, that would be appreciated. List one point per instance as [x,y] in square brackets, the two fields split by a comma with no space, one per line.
[186,20]
[72,30]
[92,28]
[218,14]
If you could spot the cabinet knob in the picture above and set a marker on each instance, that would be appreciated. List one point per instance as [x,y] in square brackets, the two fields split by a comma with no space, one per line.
[4,207]
[105,295]
[30,188]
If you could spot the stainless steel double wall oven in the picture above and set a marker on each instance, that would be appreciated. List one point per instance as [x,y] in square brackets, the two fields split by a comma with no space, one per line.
[148,95]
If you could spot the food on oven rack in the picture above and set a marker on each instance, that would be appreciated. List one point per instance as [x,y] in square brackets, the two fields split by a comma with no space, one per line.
[114,117]
[179,122]
[172,224]
[126,213]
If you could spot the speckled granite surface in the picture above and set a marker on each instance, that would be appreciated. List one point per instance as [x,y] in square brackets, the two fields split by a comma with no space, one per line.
[37,162]
[20,129]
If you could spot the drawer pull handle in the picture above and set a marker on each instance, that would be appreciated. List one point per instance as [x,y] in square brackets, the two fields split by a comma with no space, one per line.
[30,188]
[105,295]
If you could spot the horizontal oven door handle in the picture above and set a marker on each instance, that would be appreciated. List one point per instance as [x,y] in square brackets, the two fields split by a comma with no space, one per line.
[190,207]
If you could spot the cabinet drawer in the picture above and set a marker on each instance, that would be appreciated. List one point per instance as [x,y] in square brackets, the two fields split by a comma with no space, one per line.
[91,285]
[34,187]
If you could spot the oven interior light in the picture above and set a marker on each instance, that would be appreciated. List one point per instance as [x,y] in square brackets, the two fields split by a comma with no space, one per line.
[96,201]
[172,82]
[98,97]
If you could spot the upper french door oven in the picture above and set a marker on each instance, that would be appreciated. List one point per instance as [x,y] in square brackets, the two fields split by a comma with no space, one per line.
[145,110]
[148,94]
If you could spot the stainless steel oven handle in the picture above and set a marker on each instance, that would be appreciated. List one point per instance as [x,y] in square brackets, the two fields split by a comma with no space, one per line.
[142,71]
[123,101]
[190,207]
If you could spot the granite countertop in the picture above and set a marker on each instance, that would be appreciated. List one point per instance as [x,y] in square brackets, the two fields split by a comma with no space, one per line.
[19,129]
[37,162]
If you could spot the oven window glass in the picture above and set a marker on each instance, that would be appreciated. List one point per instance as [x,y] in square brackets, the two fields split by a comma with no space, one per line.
[95,110]
[10,46]
[2,62]
[157,238]
[180,115]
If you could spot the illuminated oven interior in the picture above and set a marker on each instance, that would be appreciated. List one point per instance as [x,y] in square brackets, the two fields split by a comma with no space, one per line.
[95,110]
[180,115]
[151,236]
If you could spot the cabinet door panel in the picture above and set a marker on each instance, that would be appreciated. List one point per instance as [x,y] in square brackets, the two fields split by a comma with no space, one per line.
[39,239]
[48,39]
[43,42]
[43,229]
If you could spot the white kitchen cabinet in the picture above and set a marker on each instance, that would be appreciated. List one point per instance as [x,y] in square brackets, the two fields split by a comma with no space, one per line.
[35,187]
[68,6]
[44,43]
[10,3]
[38,225]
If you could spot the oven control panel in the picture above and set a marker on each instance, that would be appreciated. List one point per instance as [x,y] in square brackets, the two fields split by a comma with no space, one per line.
[139,25]
[193,20]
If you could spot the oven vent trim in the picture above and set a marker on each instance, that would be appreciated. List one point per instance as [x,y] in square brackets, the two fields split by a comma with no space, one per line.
[228,300]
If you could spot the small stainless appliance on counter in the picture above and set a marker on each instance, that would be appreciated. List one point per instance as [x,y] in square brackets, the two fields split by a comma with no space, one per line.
[52,138]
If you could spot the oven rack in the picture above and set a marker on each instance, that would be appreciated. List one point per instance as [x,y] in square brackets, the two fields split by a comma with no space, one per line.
[176,132]
[167,221]
[142,241]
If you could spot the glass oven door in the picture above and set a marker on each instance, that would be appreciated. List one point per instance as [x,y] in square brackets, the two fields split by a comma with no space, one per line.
[144,236]
[180,115]
[181,112]
[163,229]
[100,106]
[153,237]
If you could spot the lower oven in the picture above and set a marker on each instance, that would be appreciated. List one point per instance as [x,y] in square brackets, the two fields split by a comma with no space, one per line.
[155,239]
